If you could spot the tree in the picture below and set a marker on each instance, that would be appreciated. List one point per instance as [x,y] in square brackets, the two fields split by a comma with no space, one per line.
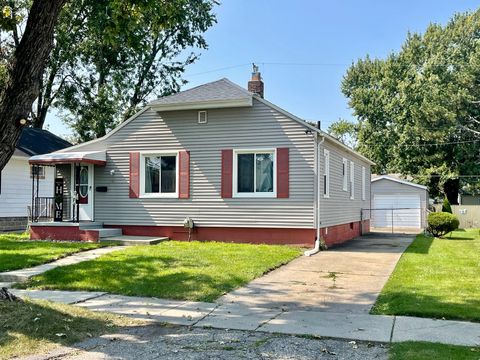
[345,131]
[418,108]
[22,67]
[112,56]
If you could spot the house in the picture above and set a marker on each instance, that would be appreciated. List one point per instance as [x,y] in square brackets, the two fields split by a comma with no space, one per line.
[221,159]
[397,203]
[16,178]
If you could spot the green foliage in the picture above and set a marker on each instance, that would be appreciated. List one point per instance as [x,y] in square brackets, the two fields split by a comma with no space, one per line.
[345,131]
[427,93]
[441,223]
[446,206]
[410,350]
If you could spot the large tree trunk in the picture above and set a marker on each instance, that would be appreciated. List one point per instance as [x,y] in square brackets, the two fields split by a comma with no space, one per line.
[451,189]
[25,71]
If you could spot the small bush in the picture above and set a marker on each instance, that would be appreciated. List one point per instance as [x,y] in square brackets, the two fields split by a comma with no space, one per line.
[442,223]
[446,206]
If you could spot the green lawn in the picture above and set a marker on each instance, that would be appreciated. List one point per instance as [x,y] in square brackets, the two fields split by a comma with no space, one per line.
[200,271]
[35,327]
[16,252]
[436,278]
[424,350]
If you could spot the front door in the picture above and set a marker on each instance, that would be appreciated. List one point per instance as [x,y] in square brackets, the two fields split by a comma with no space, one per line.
[84,178]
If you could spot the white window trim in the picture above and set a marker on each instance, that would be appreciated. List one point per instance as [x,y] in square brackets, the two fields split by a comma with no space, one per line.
[199,117]
[363,184]
[145,195]
[345,174]
[236,194]
[326,173]
[352,180]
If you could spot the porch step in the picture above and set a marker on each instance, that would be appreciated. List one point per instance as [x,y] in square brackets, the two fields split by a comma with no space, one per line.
[134,240]
[104,233]
[90,225]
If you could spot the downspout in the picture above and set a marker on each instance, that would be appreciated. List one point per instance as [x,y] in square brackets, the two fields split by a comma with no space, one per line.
[318,243]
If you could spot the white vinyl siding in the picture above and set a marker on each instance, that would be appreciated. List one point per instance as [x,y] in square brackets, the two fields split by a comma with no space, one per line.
[363,183]
[344,174]
[326,173]
[16,192]
[257,127]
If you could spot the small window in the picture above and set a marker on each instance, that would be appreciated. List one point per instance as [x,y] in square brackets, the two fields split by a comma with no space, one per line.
[345,174]
[38,171]
[255,173]
[202,117]
[159,175]
[352,180]
[363,183]
[326,173]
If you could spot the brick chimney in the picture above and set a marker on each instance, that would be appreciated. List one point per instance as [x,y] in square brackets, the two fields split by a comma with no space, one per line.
[255,85]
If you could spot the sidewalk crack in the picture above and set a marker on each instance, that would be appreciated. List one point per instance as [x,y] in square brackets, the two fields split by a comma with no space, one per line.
[393,327]
[272,318]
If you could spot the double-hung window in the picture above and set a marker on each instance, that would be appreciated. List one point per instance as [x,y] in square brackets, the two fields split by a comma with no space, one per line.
[326,173]
[254,173]
[363,183]
[159,175]
[344,174]
[352,180]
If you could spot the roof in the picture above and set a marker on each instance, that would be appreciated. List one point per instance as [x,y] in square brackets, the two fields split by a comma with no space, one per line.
[38,141]
[90,157]
[220,93]
[405,182]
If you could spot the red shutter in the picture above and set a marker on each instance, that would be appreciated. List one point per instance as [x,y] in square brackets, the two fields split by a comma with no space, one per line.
[282,173]
[227,165]
[184,169]
[134,175]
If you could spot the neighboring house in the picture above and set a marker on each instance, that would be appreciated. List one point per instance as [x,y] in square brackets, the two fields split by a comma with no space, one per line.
[16,177]
[468,199]
[397,202]
[240,167]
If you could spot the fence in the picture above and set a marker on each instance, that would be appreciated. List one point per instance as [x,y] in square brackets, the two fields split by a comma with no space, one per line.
[468,215]
[396,220]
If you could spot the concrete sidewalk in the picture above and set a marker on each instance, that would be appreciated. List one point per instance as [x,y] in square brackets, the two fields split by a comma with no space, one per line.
[23,275]
[377,328]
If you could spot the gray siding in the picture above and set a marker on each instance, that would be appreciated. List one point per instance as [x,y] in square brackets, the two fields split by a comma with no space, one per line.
[389,187]
[256,127]
[339,208]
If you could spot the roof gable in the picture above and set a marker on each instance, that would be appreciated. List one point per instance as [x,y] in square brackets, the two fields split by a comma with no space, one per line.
[404,182]
[34,141]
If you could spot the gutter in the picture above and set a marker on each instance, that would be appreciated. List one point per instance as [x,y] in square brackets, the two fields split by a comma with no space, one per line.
[318,244]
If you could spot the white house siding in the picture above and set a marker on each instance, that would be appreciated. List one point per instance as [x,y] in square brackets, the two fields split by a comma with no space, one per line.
[16,187]
[256,127]
[339,208]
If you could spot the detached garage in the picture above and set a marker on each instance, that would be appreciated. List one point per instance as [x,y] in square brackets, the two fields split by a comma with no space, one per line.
[397,204]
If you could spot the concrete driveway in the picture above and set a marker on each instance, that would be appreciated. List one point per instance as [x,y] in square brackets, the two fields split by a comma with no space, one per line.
[344,279]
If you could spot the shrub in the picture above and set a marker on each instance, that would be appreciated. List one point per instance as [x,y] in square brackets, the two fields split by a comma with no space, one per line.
[442,223]
[446,206]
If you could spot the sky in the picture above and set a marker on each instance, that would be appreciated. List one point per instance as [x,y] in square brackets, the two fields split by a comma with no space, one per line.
[304,47]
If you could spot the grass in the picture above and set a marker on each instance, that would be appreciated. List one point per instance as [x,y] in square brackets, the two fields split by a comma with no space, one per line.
[424,350]
[199,271]
[16,252]
[436,278]
[35,327]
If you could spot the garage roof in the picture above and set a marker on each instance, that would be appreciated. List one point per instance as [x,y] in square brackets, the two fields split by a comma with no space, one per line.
[405,182]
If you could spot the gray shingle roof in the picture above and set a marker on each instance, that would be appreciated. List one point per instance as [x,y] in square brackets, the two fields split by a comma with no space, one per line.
[219,90]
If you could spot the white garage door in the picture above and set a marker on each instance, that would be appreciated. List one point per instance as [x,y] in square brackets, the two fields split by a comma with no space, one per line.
[406,211]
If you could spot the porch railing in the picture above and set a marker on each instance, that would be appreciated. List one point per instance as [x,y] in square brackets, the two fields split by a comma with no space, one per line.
[43,209]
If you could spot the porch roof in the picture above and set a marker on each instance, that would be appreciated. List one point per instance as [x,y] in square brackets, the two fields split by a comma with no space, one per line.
[89,157]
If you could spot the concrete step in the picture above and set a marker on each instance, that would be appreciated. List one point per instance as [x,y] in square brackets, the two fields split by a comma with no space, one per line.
[103,232]
[134,240]
[90,225]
